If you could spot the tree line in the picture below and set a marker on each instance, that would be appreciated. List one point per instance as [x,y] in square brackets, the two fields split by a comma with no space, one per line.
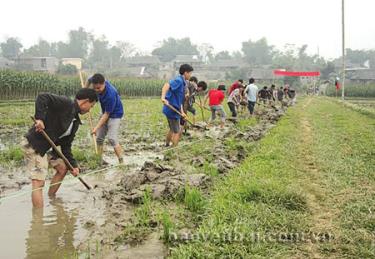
[99,54]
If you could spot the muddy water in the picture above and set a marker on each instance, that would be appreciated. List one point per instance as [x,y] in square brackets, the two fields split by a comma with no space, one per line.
[56,230]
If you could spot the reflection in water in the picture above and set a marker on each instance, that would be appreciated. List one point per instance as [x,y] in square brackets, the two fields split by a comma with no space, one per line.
[52,235]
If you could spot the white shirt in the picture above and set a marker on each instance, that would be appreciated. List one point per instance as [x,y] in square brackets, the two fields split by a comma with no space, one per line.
[252,92]
[69,130]
[235,97]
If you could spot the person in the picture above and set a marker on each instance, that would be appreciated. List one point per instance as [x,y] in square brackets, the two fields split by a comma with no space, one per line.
[280,94]
[193,88]
[263,95]
[58,116]
[216,98]
[110,119]
[273,94]
[235,85]
[252,92]
[173,94]
[292,95]
[234,100]
[286,89]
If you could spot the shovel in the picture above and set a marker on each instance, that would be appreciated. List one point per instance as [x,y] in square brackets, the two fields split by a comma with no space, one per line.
[61,155]
[90,117]
[185,118]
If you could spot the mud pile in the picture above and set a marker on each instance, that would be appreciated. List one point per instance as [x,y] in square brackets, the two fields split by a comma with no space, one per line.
[165,180]
[161,179]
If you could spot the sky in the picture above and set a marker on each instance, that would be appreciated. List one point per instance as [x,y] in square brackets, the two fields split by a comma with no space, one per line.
[222,23]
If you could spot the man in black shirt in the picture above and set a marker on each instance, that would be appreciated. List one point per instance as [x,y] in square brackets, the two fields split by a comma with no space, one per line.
[59,117]
[263,95]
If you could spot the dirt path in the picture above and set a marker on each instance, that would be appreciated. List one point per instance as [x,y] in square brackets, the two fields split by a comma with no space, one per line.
[315,188]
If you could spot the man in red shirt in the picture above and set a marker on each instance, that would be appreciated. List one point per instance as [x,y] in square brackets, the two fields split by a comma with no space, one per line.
[216,98]
[235,85]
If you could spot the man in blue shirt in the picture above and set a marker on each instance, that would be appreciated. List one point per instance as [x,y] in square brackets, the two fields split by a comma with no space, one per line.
[112,112]
[173,93]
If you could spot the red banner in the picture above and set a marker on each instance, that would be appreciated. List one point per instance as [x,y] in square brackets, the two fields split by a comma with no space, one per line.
[296,73]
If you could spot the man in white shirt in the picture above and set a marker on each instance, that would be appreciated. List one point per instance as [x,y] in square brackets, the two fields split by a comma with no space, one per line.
[251,93]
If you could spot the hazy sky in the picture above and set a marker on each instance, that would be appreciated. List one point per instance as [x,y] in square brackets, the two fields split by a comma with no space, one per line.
[224,24]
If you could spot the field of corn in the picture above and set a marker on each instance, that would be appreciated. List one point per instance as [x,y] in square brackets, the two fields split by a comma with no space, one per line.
[15,85]
[353,90]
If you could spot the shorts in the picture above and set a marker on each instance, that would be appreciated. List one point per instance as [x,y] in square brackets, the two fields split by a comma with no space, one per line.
[38,165]
[110,128]
[219,109]
[174,125]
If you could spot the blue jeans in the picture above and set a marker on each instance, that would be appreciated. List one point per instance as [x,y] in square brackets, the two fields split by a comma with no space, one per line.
[250,106]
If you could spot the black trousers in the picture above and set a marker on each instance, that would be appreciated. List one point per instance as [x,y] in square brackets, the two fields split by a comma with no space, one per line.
[250,106]
[232,108]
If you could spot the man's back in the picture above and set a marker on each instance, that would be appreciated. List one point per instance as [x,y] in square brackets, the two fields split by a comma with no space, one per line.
[216,97]
[252,91]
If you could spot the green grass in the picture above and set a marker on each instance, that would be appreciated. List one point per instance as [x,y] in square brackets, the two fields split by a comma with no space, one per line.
[14,154]
[297,181]
[366,107]
[167,224]
[194,200]
[87,158]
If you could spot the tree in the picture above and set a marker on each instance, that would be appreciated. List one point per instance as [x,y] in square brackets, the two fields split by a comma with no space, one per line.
[360,57]
[127,49]
[11,48]
[206,52]
[78,44]
[67,69]
[258,52]
[223,55]
[100,55]
[327,70]
[171,47]
[115,56]
[42,49]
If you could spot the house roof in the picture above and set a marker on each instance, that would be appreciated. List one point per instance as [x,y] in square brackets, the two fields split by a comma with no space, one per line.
[139,71]
[259,73]
[187,59]
[365,74]
[34,58]
[228,63]
[144,60]
[4,62]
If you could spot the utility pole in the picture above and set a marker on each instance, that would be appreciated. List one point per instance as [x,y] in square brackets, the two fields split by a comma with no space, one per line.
[343,50]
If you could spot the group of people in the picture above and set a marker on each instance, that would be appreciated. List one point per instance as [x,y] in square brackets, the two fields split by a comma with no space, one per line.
[178,97]
[59,117]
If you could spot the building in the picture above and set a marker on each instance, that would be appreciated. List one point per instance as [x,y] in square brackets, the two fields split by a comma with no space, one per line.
[263,75]
[143,61]
[45,64]
[192,60]
[6,63]
[227,64]
[361,76]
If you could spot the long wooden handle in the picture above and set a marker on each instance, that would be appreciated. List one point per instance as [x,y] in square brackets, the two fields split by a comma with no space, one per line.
[61,155]
[90,117]
[201,106]
[179,113]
